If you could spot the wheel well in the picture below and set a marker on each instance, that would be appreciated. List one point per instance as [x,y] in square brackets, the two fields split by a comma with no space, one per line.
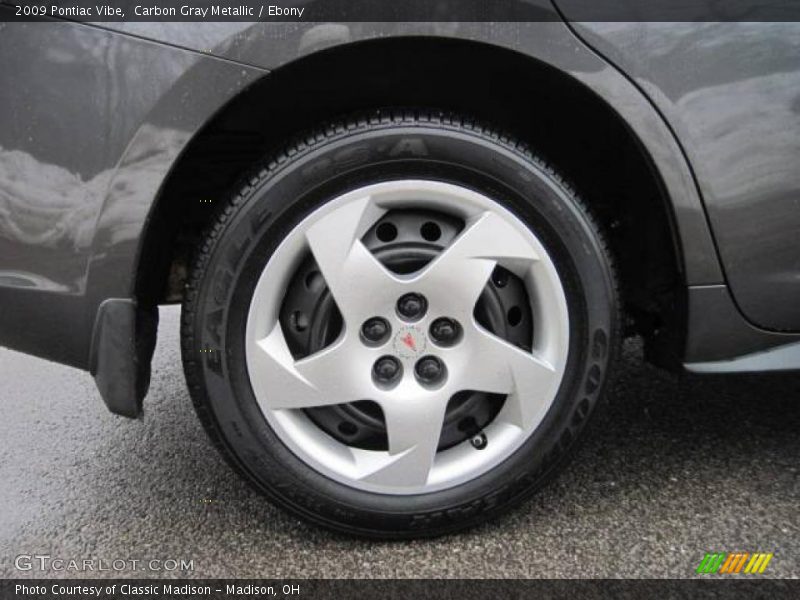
[561,119]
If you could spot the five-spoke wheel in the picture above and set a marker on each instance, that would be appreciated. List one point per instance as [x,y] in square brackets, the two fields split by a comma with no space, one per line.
[401,325]
[410,342]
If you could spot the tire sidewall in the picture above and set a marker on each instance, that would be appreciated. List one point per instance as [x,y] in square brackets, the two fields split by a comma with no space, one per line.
[273,202]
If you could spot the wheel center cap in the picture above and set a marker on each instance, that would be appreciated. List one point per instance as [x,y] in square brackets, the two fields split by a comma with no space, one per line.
[409,342]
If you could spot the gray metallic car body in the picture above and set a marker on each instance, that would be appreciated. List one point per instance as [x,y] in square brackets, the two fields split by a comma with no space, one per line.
[93,119]
[731,93]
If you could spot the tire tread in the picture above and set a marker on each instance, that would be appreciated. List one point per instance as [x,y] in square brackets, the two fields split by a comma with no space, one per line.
[307,142]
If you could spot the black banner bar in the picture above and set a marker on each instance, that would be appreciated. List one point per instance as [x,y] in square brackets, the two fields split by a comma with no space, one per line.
[751,587]
[214,11]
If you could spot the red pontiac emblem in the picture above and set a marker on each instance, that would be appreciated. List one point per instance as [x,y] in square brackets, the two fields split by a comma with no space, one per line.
[408,340]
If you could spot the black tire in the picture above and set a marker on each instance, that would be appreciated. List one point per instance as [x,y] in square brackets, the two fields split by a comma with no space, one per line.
[369,148]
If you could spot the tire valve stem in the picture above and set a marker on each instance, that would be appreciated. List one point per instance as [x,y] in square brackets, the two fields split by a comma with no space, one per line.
[479,441]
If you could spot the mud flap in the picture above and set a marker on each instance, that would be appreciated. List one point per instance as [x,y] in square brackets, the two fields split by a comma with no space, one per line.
[123,341]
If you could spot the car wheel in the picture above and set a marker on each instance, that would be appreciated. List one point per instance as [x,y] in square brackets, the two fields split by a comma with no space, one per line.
[399,325]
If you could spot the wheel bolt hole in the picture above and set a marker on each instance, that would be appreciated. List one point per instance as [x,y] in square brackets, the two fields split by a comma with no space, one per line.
[314,281]
[386,232]
[430,231]
[299,321]
[500,277]
[347,428]
[514,316]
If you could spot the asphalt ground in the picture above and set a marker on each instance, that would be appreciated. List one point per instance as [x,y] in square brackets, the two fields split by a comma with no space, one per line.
[674,467]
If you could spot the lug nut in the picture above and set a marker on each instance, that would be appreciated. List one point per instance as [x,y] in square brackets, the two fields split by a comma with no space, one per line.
[429,370]
[412,306]
[387,370]
[445,331]
[375,330]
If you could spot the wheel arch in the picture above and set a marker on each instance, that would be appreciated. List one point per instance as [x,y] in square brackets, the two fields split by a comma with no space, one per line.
[572,107]
[595,126]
